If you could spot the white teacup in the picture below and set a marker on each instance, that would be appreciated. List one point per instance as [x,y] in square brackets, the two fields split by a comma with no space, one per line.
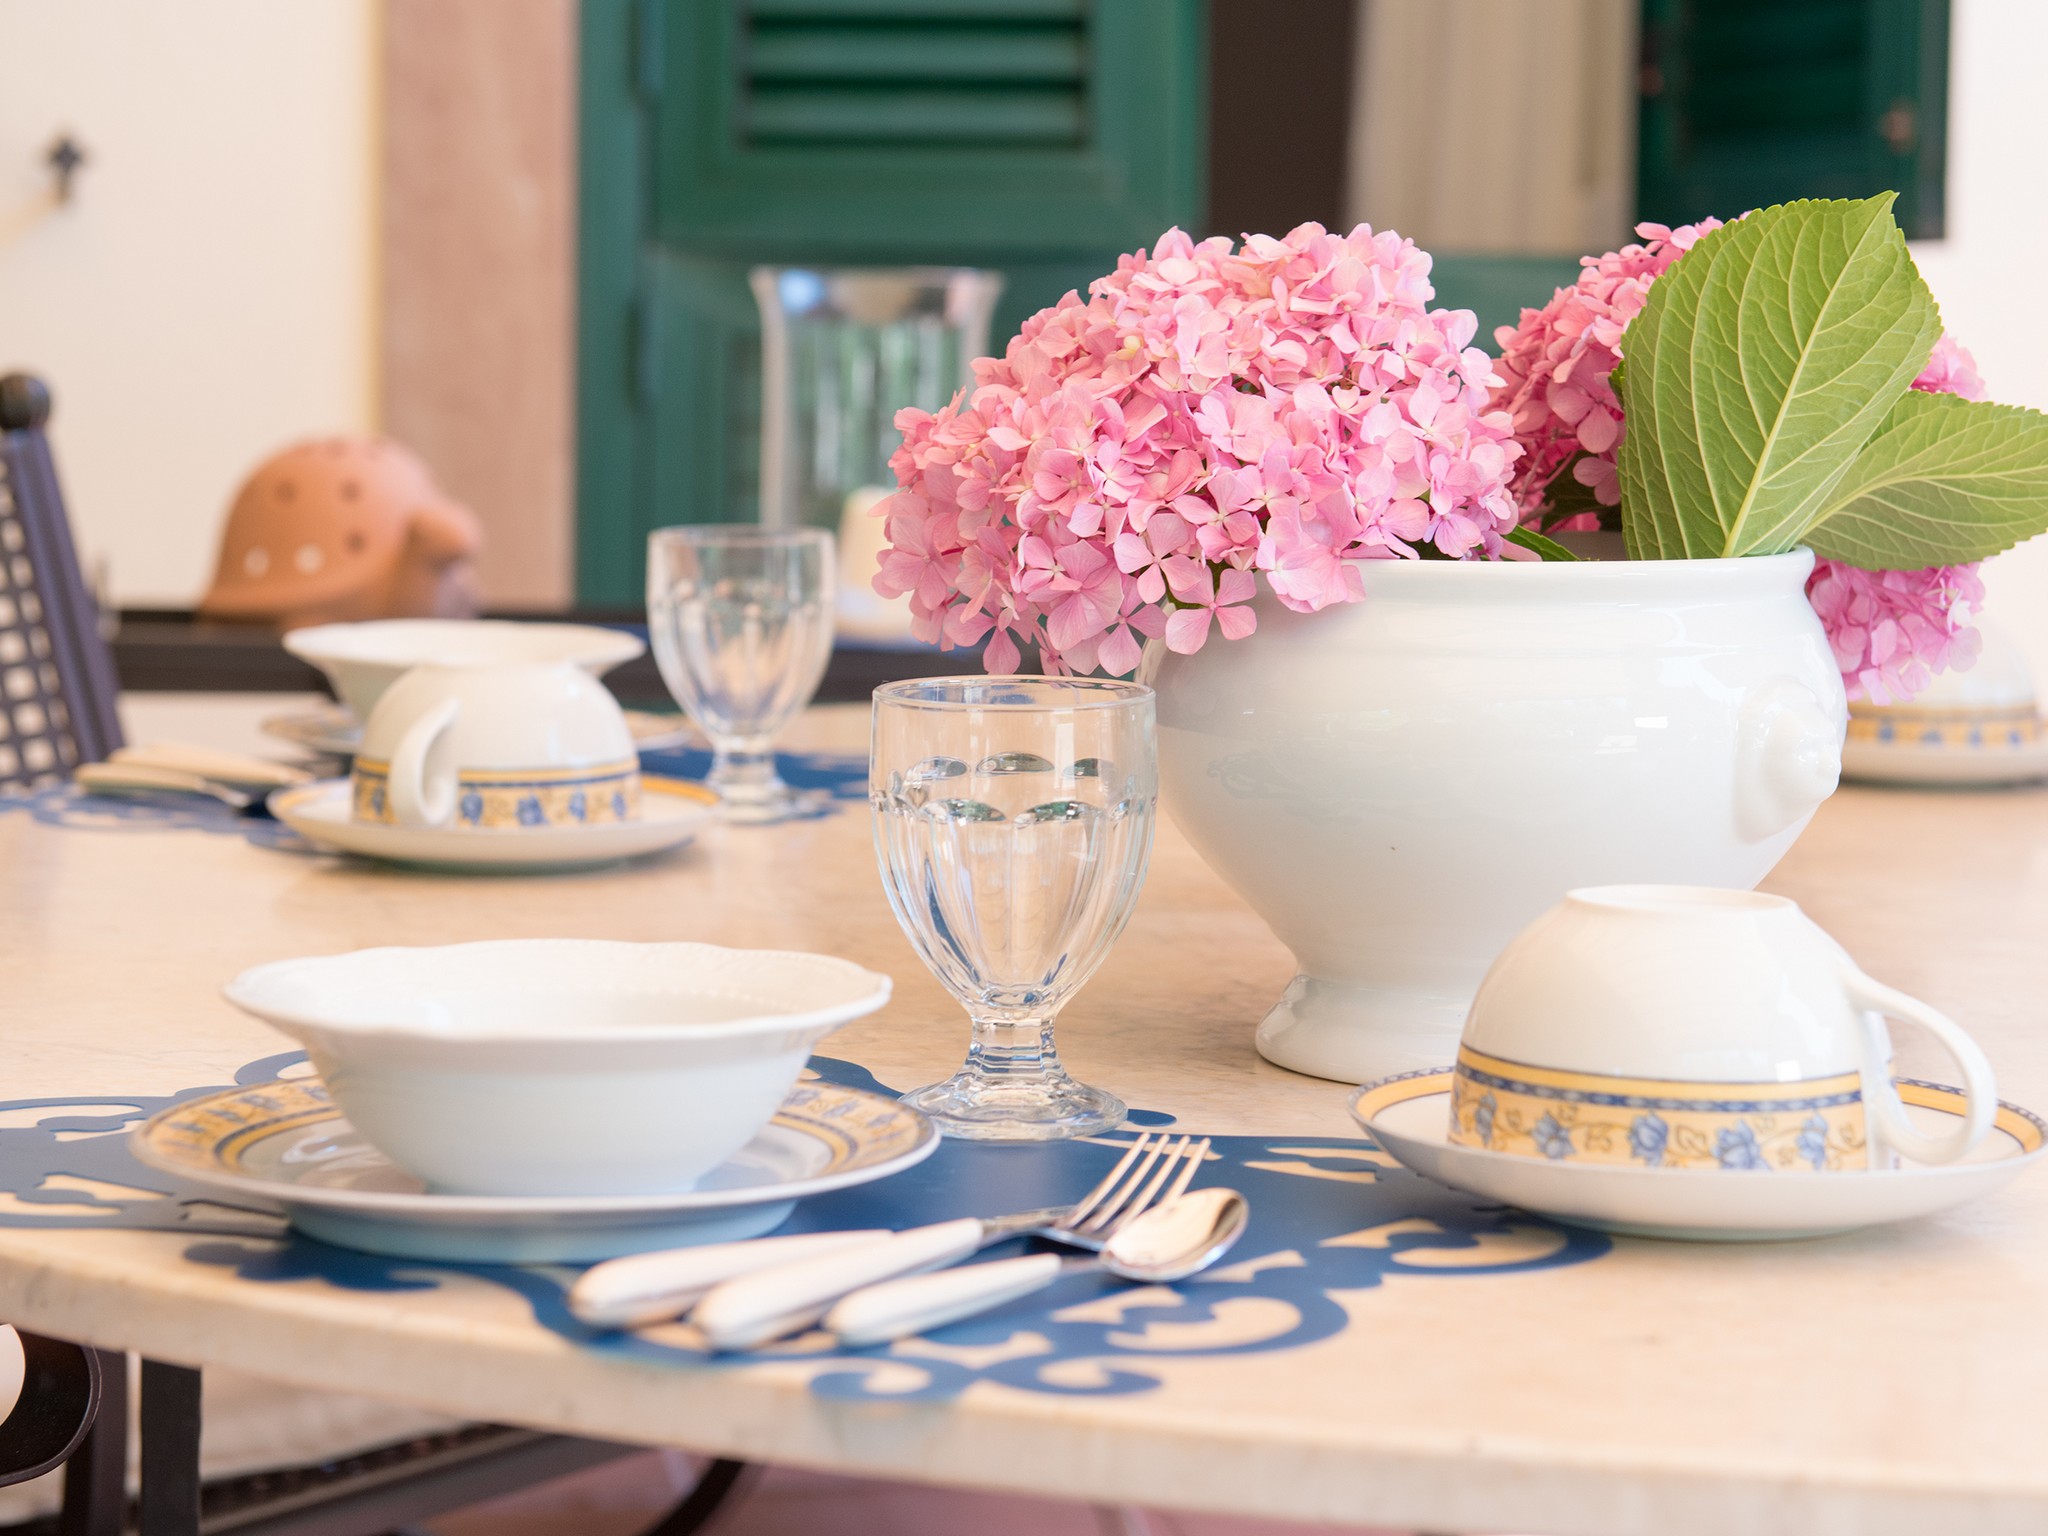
[505,747]
[1676,1026]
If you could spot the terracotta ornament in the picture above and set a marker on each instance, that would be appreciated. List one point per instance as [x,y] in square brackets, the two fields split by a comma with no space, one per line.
[341,529]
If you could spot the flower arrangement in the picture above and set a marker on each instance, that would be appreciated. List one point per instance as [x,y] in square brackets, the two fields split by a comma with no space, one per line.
[1209,418]
[1891,631]
[1214,418]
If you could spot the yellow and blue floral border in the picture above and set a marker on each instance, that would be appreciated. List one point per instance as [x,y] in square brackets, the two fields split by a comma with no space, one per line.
[1970,730]
[508,800]
[1511,1106]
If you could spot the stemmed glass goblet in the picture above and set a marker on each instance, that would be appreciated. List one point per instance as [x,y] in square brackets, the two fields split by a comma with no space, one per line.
[1013,823]
[740,618]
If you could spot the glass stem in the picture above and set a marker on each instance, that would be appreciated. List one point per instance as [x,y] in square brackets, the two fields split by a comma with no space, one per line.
[744,772]
[1005,1049]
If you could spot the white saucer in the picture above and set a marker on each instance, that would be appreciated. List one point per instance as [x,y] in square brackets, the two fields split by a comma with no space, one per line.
[672,811]
[334,730]
[1409,1116]
[285,1144]
[1900,762]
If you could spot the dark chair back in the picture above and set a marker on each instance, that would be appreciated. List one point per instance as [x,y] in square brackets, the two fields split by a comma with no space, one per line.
[58,689]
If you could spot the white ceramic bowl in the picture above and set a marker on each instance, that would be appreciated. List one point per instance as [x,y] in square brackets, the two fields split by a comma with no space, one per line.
[362,660]
[560,1066]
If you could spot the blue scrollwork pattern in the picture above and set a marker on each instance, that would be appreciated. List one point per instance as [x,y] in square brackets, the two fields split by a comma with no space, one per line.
[1332,1218]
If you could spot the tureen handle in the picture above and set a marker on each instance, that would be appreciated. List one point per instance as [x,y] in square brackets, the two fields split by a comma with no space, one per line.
[1788,758]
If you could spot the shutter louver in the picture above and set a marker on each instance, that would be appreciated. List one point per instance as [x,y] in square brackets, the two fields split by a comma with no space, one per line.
[830,74]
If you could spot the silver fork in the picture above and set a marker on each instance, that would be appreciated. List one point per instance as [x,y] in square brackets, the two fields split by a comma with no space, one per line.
[645,1288]
[773,1303]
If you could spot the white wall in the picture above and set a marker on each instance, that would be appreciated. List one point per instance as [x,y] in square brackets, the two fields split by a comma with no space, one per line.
[1990,274]
[210,292]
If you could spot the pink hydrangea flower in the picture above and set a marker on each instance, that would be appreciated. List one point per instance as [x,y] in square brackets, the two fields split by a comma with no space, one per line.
[1210,419]
[1554,369]
[1891,630]
[1951,371]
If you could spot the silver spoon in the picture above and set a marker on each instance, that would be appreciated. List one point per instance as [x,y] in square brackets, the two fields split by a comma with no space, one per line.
[1169,1242]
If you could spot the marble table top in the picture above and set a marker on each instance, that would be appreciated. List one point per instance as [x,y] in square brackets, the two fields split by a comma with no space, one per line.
[1880,1382]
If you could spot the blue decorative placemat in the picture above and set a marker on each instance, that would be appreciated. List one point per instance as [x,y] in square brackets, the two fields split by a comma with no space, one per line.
[71,808]
[842,776]
[1331,1218]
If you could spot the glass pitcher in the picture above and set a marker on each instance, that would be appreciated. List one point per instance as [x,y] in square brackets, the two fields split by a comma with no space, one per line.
[842,350]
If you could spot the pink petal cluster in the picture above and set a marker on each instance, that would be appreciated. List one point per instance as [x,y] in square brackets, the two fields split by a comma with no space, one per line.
[1951,371]
[1554,369]
[1209,418]
[1891,630]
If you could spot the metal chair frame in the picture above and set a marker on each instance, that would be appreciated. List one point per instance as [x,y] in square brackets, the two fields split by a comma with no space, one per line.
[72,1413]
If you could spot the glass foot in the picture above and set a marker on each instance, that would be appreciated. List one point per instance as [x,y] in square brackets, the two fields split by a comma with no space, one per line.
[754,793]
[976,1107]
[751,807]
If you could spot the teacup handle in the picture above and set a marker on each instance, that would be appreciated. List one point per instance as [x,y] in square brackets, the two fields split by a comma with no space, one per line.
[1886,1114]
[415,802]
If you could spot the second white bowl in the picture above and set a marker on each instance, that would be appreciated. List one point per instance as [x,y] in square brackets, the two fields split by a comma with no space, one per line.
[362,660]
[560,1066]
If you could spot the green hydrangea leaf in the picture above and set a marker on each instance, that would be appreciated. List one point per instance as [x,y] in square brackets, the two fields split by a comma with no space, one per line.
[1944,480]
[1529,538]
[1762,362]
[1666,507]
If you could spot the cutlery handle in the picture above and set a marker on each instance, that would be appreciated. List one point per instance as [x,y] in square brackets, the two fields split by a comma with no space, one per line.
[230,768]
[648,1288]
[773,1303]
[897,1308]
[115,778]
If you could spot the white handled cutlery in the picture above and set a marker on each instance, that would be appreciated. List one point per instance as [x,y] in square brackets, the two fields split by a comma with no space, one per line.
[1167,1243]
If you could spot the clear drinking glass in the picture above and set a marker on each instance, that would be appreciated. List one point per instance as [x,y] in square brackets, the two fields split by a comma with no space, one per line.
[741,621]
[1013,823]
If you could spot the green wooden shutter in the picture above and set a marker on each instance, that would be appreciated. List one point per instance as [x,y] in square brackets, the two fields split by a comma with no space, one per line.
[1746,103]
[1041,137]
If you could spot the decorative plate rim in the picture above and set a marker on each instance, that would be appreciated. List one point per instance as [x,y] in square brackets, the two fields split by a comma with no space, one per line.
[1425,1083]
[427,1204]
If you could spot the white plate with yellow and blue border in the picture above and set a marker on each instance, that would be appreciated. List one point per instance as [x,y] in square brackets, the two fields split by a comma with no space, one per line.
[672,812]
[1409,1116]
[1935,746]
[286,1145]
[1979,726]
